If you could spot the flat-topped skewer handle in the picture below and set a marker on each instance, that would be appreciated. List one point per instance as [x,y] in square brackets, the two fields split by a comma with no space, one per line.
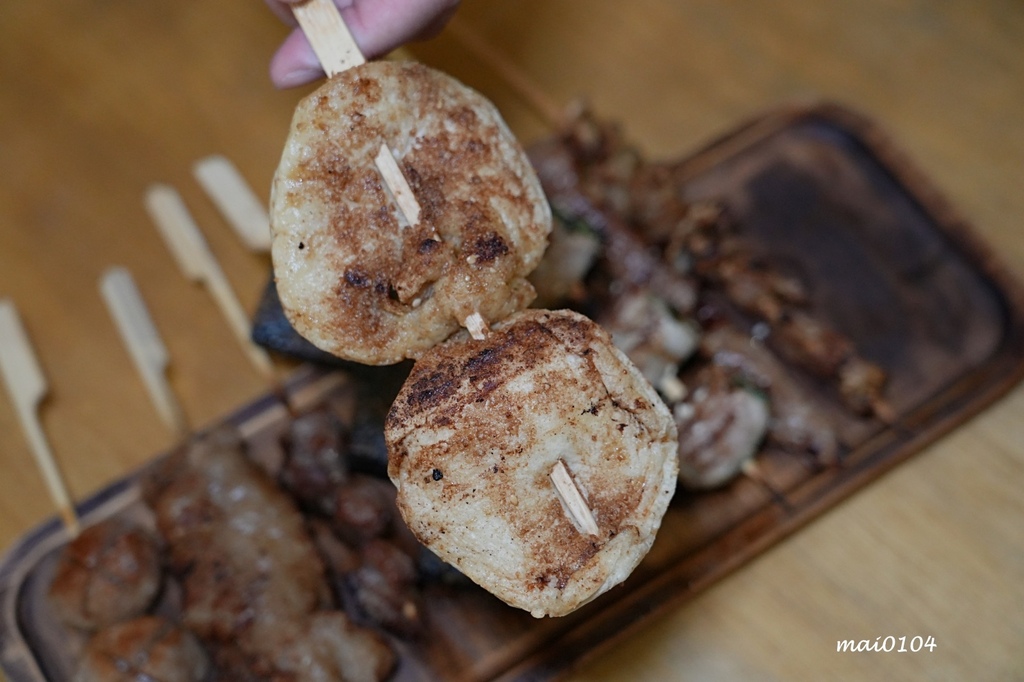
[328,35]
[186,243]
[144,344]
[27,387]
[235,200]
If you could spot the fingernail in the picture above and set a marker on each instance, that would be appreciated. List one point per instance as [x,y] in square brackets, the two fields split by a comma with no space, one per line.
[296,76]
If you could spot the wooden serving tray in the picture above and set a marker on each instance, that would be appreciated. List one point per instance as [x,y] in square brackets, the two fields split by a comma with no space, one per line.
[822,193]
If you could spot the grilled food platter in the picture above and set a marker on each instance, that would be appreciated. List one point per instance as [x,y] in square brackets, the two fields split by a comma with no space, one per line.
[816,194]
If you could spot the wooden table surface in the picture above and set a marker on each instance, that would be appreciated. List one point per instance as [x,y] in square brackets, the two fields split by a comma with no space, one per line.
[100,99]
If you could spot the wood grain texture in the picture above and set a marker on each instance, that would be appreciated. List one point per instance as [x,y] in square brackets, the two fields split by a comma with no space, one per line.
[100,99]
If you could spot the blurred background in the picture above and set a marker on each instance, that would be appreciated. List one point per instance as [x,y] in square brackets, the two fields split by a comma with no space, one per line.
[101,98]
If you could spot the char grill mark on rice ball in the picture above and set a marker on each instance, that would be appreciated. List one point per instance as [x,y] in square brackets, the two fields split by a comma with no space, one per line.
[353,277]
[476,431]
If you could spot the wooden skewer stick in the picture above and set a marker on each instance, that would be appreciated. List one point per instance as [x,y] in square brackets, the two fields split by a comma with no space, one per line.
[197,262]
[477,326]
[27,387]
[144,344]
[235,199]
[388,168]
[572,499]
[328,35]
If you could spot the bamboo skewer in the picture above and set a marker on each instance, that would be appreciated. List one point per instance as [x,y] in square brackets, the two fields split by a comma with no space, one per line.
[388,168]
[477,326]
[198,264]
[328,35]
[572,499]
[235,199]
[144,344]
[27,387]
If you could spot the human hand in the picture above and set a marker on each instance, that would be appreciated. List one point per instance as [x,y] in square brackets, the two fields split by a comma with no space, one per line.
[378,27]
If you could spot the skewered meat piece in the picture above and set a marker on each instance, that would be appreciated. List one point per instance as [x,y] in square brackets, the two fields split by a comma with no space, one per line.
[236,539]
[810,343]
[354,277]
[332,647]
[592,158]
[377,581]
[813,345]
[629,261]
[111,572]
[796,423]
[252,580]
[591,172]
[725,263]
[800,338]
[315,463]
[594,177]
[364,508]
[753,287]
[477,430]
[708,244]
[655,340]
[372,576]
[339,558]
[384,587]
[145,649]
[571,253]
[326,647]
[721,427]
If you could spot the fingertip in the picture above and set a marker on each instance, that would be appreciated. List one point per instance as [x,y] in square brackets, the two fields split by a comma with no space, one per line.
[294,63]
[284,79]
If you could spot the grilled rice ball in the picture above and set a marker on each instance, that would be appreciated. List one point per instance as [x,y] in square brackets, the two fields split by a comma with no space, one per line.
[353,276]
[477,429]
